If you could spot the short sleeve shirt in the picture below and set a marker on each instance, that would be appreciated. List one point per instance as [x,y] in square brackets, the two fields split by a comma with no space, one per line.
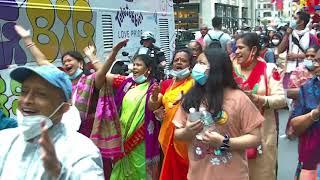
[243,117]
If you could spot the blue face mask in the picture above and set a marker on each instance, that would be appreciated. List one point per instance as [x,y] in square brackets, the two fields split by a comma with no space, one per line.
[140,79]
[76,74]
[308,64]
[181,74]
[293,24]
[199,74]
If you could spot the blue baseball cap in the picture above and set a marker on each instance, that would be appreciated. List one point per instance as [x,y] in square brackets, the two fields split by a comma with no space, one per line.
[50,73]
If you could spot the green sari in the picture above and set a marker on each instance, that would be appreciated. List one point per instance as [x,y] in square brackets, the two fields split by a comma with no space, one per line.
[133,165]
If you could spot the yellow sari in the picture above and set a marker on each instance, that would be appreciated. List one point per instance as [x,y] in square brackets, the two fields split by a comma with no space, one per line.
[171,102]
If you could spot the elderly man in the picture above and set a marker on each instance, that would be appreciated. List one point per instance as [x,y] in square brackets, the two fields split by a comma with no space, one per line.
[204,31]
[41,147]
[196,49]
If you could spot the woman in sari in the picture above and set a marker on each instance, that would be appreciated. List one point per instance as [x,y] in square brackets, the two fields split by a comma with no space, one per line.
[175,160]
[139,127]
[85,91]
[261,81]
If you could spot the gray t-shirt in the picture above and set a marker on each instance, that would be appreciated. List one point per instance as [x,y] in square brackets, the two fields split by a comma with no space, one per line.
[215,34]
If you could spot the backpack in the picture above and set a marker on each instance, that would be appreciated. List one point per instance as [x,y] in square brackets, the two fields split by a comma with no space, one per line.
[215,43]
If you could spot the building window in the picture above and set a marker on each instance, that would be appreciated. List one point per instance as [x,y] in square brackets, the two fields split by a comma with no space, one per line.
[267,14]
[186,16]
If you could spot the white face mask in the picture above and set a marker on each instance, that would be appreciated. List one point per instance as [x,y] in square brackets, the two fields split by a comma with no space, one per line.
[31,125]
[275,42]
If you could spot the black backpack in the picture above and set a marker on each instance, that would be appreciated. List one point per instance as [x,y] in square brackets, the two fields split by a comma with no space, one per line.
[215,43]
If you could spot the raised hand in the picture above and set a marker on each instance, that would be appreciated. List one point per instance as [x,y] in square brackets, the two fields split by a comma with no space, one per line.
[48,153]
[121,44]
[23,33]
[89,51]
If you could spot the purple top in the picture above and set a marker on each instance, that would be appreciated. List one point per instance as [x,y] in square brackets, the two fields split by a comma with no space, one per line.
[309,144]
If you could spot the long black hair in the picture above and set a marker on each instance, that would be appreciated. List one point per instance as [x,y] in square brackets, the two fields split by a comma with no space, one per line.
[220,77]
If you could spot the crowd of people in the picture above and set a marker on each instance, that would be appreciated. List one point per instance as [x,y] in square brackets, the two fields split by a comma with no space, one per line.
[214,115]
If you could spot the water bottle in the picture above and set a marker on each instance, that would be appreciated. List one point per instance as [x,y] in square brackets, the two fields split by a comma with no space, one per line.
[194,115]
[207,121]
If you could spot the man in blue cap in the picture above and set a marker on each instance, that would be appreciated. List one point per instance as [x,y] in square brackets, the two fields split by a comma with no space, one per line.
[41,147]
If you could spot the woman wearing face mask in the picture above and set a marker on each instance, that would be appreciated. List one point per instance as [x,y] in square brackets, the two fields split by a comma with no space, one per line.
[299,77]
[275,41]
[261,81]
[85,90]
[220,153]
[175,161]
[304,121]
[139,127]
[302,73]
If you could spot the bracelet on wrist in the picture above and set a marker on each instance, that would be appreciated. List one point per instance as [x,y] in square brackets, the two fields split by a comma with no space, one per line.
[225,143]
[30,45]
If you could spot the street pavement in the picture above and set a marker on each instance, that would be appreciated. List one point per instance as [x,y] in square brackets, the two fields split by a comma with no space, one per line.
[287,150]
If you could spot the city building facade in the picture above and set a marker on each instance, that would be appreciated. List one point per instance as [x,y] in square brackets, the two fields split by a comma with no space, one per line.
[235,13]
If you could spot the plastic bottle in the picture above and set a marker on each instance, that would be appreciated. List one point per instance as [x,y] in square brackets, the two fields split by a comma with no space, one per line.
[207,121]
[194,115]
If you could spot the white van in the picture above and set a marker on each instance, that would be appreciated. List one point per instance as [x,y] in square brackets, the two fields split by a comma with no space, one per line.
[58,26]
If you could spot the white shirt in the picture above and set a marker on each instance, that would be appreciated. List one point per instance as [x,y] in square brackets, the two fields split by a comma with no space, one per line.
[79,157]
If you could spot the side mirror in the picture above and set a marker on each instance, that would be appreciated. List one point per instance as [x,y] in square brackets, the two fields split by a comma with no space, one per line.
[160,53]
[124,53]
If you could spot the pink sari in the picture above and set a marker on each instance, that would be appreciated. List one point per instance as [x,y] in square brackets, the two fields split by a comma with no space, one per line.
[99,118]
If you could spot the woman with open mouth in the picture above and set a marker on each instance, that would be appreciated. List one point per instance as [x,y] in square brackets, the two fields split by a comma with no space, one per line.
[168,95]
[261,81]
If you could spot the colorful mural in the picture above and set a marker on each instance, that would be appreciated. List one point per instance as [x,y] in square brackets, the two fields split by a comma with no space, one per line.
[57,27]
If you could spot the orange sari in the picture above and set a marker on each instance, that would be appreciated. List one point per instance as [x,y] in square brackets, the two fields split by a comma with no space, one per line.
[175,162]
